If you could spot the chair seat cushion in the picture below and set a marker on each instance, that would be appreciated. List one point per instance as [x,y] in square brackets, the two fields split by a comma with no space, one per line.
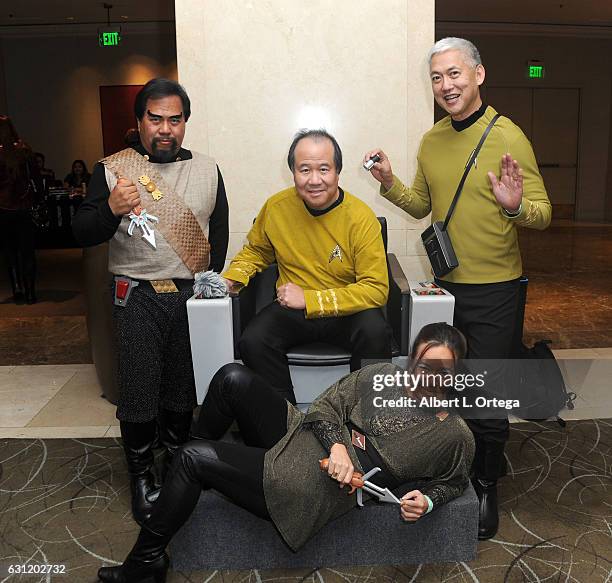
[323,354]
[318,354]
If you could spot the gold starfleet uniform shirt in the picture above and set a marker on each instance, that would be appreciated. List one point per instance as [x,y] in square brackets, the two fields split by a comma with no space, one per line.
[484,237]
[337,258]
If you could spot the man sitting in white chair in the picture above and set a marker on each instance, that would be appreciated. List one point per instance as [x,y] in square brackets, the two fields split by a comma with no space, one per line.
[332,267]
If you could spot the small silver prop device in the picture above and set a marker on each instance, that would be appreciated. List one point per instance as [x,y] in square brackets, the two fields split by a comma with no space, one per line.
[368,165]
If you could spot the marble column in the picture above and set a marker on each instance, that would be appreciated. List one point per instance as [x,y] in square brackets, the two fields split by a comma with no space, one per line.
[259,70]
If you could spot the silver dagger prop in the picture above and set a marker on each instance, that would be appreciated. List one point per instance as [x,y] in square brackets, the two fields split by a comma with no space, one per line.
[360,483]
[383,494]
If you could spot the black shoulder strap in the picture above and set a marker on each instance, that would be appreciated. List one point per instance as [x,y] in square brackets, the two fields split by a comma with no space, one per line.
[467,171]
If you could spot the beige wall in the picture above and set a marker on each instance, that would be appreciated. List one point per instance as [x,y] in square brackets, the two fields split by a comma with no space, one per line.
[53,79]
[259,70]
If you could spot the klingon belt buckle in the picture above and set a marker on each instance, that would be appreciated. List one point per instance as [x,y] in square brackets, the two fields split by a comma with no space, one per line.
[163,286]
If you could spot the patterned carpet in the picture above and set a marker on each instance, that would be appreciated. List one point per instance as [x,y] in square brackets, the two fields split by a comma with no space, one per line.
[66,502]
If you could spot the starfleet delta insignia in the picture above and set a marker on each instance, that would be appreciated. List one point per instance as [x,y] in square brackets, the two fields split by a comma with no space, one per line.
[335,254]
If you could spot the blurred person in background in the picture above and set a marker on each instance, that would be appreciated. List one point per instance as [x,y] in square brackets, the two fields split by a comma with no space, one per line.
[47,173]
[78,179]
[18,193]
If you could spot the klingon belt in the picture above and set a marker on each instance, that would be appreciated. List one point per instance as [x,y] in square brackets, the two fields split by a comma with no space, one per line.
[177,223]
[124,286]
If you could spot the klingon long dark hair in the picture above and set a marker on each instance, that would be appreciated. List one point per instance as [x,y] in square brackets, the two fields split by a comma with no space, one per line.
[157,89]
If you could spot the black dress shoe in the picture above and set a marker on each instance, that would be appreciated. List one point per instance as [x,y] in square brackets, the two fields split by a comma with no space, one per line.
[488,515]
[133,571]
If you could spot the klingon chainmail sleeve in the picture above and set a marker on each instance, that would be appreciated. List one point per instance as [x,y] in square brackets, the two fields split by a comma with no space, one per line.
[326,432]
[453,466]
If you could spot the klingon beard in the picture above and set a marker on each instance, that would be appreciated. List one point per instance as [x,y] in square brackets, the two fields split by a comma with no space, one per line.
[165,155]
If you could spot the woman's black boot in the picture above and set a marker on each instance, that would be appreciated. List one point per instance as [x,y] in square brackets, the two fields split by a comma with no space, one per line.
[147,561]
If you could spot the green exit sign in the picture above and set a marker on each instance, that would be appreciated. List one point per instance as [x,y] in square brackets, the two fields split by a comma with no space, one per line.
[535,70]
[109,37]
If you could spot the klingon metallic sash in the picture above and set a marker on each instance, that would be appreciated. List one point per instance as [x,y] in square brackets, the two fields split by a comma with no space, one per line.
[177,223]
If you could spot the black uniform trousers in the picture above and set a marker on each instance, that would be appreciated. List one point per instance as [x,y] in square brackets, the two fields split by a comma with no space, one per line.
[486,315]
[154,354]
[275,330]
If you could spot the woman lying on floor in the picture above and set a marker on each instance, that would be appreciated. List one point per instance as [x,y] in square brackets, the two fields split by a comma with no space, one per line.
[275,474]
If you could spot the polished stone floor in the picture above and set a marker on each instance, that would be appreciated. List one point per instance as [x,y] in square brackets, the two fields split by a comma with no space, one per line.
[54,330]
[570,284]
[64,400]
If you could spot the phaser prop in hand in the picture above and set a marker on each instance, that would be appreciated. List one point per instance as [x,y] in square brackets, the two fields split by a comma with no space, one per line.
[360,483]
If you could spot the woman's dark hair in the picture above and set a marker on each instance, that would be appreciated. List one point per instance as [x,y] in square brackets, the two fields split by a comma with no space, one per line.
[316,135]
[158,88]
[82,163]
[440,334]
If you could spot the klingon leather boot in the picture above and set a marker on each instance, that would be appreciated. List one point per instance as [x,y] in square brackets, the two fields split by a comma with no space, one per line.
[138,441]
[174,430]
